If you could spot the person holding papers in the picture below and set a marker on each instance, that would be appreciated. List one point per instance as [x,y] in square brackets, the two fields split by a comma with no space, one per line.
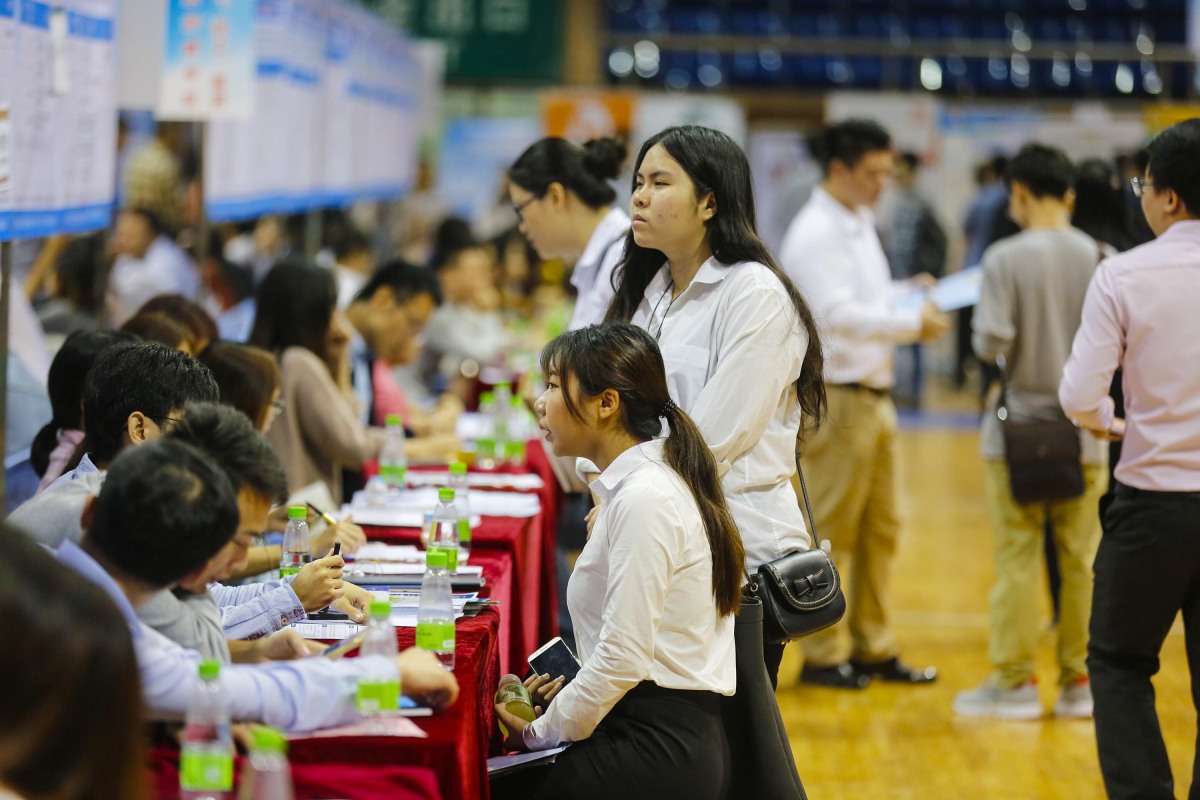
[832,252]
[653,594]
[165,511]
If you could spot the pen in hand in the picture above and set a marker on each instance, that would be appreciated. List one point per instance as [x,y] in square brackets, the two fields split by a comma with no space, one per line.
[328,519]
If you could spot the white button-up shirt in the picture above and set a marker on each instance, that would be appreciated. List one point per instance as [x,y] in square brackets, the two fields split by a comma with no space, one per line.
[165,269]
[1140,314]
[834,256]
[293,695]
[641,599]
[733,347]
[592,276]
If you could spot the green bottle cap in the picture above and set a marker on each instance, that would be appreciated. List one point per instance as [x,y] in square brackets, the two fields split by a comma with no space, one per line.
[435,557]
[446,494]
[210,670]
[458,468]
[297,512]
[505,385]
[381,608]
[394,421]
[270,740]
[487,397]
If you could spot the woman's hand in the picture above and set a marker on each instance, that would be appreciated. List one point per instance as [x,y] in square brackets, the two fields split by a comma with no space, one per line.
[515,741]
[543,689]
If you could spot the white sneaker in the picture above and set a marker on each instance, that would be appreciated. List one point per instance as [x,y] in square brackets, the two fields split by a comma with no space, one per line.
[1075,700]
[990,700]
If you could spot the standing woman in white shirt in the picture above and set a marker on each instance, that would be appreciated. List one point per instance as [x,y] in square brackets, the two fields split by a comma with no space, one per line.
[562,195]
[653,594]
[740,345]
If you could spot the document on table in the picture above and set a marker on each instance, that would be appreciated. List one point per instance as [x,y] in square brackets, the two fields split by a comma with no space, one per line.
[330,631]
[956,290]
[383,725]
[498,765]
[525,482]
[406,509]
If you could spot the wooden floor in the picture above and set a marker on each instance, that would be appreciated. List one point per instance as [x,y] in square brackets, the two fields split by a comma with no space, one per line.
[893,742]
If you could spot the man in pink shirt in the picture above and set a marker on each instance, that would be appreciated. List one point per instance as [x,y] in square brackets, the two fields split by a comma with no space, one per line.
[1140,314]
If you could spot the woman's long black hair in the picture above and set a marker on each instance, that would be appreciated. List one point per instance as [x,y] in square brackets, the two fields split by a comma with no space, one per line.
[716,164]
[295,301]
[624,358]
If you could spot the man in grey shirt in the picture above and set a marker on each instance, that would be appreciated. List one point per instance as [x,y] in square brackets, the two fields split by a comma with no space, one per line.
[1033,289]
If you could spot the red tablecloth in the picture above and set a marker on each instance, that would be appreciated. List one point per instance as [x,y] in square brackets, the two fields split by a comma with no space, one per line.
[500,546]
[317,781]
[457,745]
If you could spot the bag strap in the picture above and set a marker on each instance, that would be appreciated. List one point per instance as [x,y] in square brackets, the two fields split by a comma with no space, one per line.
[812,525]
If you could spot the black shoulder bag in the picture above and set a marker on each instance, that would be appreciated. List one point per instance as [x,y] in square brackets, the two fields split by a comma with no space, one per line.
[801,592]
[1043,456]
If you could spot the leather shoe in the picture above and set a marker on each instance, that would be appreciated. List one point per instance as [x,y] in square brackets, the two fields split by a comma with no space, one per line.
[894,670]
[837,676]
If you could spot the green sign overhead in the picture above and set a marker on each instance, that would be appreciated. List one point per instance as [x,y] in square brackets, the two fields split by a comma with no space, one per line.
[487,40]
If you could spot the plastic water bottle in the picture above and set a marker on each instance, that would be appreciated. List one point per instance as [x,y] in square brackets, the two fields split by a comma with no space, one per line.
[485,445]
[462,501]
[519,431]
[444,535]
[435,614]
[266,775]
[206,758]
[516,699]
[379,692]
[297,549]
[503,420]
[393,461]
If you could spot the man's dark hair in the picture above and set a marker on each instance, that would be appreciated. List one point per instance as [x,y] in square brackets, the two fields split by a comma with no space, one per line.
[405,281]
[165,509]
[147,377]
[228,437]
[348,242]
[911,159]
[453,236]
[1044,171]
[849,141]
[1175,162]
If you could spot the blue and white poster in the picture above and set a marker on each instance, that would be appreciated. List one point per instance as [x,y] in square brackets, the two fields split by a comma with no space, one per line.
[209,61]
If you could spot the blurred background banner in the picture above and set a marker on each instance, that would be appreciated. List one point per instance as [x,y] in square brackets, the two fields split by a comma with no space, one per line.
[208,67]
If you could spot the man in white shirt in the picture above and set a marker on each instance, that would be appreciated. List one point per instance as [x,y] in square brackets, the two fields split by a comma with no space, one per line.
[1140,315]
[834,255]
[148,263]
[165,511]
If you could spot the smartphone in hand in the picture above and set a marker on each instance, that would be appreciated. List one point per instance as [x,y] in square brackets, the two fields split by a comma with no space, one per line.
[555,658]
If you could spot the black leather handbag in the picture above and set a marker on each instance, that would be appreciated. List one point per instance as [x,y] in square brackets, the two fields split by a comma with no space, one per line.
[801,592]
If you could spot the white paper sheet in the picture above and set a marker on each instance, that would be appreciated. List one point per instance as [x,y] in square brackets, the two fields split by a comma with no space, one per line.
[390,725]
[525,482]
[501,764]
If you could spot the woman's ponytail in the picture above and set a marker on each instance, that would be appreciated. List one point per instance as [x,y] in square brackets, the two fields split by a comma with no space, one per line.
[688,454]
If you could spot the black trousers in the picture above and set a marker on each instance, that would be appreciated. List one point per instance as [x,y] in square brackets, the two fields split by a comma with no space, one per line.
[1147,569]
[655,743]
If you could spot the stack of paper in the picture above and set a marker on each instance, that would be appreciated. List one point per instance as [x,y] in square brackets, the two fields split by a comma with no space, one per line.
[525,482]
[406,509]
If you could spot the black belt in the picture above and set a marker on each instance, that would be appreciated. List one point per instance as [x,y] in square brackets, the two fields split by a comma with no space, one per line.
[1130,492]
[858,387]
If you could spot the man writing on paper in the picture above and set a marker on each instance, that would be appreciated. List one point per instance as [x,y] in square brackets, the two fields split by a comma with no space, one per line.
[164,512]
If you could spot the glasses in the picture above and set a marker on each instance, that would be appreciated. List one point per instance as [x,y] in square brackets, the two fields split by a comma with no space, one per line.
[1139,186]
[519,207]
[161,420]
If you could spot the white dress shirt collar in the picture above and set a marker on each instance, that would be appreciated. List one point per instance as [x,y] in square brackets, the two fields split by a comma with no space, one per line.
[711,272]
[611,479]
[854,223]
[608,233]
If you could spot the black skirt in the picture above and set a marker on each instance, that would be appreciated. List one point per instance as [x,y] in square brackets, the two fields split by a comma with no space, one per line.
[655,743]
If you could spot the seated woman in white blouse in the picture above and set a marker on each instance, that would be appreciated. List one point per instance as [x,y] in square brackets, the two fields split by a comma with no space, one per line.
[653,594]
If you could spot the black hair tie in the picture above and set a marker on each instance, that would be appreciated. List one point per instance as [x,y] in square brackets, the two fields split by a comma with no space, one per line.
[667,408]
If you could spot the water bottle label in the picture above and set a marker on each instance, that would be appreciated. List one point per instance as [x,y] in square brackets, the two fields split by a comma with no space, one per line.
[285,572]
[514,452]
[205,771]
[464,531]
[375,697]
[485,448]
[393,474]
[435,636]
